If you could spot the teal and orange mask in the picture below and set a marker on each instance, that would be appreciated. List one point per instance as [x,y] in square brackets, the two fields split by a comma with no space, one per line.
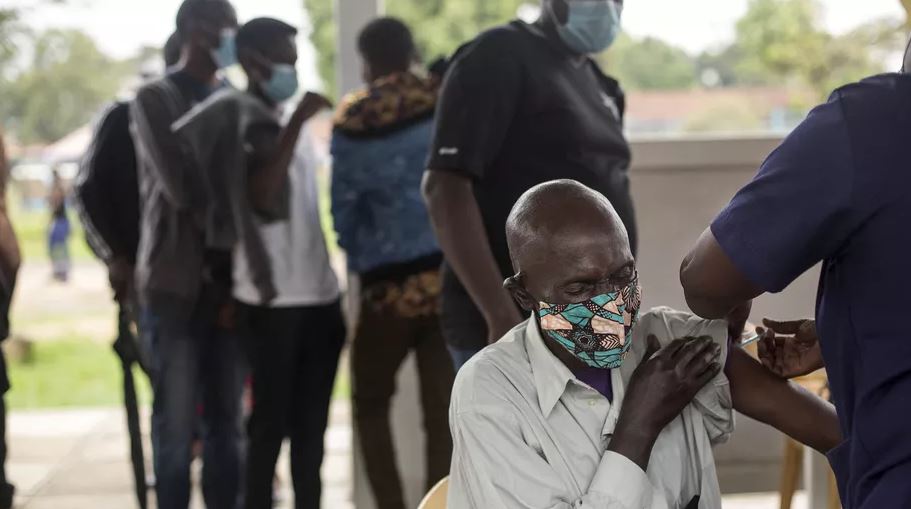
[597,331]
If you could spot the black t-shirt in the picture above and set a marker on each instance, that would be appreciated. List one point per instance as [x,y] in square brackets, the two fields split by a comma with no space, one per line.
[517,110]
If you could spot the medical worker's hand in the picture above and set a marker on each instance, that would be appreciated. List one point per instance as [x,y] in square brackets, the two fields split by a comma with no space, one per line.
[790,349]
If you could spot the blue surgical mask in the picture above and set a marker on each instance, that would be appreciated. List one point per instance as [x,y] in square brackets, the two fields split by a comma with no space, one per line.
[283,83]
[225,55]
[592,25]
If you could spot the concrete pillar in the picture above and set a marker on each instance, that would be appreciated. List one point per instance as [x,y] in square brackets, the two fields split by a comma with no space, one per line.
[351,16]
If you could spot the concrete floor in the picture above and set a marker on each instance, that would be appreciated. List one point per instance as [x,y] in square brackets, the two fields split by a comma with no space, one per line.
[77,459]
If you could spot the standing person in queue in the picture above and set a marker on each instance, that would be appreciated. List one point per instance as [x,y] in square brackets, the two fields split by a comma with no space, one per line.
[10,259]
[522,104]
[184,287]
[261,178]
[381,140]
[837,191]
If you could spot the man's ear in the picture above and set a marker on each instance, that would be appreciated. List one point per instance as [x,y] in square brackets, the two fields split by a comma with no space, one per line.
[515,287]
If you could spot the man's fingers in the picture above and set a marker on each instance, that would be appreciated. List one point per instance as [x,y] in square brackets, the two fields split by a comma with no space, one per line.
[766,349]
[790,327]
[708,374]
[696,354]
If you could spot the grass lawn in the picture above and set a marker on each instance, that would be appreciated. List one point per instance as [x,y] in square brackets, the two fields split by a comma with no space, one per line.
[70,373]
[84,373]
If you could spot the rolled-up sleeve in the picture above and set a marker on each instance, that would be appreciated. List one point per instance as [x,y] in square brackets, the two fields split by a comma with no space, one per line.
[494,466]
[714,401]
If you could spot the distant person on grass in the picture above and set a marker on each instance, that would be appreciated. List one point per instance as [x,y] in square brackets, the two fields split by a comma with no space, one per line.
[60,230]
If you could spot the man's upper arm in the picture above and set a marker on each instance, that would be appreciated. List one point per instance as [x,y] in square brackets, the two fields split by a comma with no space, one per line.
[477,105]
[796,212]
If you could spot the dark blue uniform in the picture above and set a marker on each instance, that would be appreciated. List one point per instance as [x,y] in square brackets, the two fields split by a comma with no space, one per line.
[838,191]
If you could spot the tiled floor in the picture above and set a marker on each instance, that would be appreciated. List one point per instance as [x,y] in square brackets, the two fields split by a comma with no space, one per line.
[77,459]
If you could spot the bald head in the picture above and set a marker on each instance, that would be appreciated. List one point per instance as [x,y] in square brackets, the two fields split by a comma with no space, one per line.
[564,236]
[559,209]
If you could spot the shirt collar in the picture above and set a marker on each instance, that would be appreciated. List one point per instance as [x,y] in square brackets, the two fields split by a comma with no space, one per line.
[551,375]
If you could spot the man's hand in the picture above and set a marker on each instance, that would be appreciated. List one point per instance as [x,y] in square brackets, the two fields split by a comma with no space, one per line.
[310,105]
[790,349]
[661,387]
[120,275]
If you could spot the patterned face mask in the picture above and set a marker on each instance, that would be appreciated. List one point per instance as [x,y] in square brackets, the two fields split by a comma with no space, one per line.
[597,331]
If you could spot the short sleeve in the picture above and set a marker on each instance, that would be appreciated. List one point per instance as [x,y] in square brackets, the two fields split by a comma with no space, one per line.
[798,210]
[477,105]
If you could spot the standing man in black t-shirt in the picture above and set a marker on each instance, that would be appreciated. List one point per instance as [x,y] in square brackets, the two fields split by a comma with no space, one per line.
[522,104]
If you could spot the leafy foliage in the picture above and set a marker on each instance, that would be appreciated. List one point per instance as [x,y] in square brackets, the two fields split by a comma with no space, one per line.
[67,81]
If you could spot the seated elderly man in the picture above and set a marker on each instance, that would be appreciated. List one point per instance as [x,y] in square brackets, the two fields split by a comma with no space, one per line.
[590,404]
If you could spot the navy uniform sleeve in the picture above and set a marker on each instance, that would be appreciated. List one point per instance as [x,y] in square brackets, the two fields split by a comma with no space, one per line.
[798,209]
[477,105]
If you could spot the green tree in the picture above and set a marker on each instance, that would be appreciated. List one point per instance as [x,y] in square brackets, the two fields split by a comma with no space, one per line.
[649,64]
[783,42]
[779,40]
[68,80]
[440,26]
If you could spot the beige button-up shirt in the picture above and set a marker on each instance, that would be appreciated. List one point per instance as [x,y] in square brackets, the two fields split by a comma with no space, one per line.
[528,434]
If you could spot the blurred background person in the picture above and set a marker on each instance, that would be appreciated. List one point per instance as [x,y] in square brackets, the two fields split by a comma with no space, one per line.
[290,316]
[381,140]
[522,104]
[184,288]
[60,230]
[10,259]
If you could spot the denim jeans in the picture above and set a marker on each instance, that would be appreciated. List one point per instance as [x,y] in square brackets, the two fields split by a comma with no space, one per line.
[196,365]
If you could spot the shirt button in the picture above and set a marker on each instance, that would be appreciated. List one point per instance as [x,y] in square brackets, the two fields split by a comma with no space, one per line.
[592,402]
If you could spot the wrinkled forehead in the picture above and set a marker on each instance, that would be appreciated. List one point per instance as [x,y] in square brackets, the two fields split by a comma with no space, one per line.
[576,245]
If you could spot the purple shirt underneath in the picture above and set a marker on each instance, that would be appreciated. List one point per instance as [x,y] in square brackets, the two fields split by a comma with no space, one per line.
[598,379]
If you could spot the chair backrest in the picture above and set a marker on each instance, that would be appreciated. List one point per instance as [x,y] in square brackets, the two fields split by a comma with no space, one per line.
[436,498]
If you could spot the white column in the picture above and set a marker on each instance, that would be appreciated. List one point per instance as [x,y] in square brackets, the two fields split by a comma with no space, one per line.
[351,16]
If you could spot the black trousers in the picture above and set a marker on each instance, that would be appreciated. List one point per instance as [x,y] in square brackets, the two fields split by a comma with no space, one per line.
[6,489]
[294,355]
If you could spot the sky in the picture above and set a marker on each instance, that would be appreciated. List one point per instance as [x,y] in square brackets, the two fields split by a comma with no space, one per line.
[122,26]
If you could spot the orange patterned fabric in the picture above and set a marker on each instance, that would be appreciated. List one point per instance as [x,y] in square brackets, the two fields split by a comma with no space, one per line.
[390,102]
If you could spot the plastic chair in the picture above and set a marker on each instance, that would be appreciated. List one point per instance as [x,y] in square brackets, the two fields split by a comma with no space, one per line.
[436,498]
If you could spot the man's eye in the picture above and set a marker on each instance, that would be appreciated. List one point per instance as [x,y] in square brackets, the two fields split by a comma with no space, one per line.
[577,289]
[624,276]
